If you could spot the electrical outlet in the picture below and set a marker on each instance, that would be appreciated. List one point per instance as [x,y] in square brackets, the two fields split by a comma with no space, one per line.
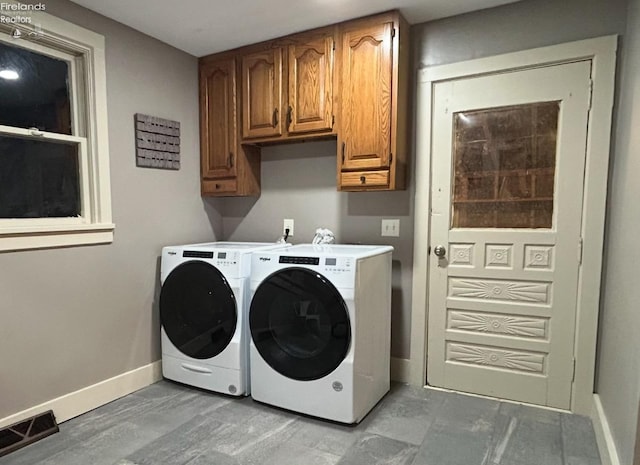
[288,224]
[391,228]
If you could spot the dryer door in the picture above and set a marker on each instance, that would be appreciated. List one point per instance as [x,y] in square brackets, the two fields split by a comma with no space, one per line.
[300,324]
[198,310]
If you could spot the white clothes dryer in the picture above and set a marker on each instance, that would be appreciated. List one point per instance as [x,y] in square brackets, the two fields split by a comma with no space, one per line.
[320,321]
[203,307]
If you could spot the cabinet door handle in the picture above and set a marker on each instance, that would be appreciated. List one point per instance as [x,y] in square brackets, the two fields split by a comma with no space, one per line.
[231,159]
[344,144]
[275,117]
[363,179]
[289,116]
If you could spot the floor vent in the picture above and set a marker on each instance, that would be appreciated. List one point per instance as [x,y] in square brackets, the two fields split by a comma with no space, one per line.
[27,431]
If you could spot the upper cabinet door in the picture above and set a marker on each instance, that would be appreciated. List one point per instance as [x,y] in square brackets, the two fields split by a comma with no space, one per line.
[367,66]
[218,119]
[262,94]
[311,86]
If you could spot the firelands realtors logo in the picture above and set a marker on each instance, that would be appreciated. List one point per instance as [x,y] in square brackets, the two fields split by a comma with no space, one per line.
[19,13]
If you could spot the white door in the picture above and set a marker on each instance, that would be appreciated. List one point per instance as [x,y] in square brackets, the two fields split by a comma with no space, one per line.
[507,185]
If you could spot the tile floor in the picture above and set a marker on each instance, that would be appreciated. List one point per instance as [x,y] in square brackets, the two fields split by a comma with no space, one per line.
[171,424]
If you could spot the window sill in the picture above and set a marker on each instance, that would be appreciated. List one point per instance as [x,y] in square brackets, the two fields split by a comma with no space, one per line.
[60,236]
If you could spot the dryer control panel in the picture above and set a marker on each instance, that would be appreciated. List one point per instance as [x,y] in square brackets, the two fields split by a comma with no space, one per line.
[326,264]
[339,269]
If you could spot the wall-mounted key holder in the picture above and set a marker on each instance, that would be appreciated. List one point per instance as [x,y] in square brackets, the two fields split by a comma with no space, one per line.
[157,142]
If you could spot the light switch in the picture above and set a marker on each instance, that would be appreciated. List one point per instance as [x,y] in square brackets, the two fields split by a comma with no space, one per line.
[391,227]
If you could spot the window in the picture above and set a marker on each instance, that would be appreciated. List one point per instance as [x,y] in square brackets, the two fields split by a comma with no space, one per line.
[54,154]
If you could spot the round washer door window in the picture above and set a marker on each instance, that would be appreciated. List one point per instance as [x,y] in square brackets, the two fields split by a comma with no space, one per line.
[198,310]
[300,324]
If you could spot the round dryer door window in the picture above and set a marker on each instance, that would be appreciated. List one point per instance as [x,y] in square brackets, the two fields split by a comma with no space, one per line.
[198,310]
[300,324]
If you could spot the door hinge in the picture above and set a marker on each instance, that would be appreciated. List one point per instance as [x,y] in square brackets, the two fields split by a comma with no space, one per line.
[390,157]
[590,94]
[573,374]
[334,45]
[580,242]
[393,32]
[333,120]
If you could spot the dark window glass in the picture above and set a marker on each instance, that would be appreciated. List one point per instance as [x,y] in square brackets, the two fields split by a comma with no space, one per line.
[38,179]
[198,310]
[300,324]
[36,94]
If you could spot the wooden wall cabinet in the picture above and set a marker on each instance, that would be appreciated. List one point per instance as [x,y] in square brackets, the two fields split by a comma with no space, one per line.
[310,74]
[262,94]
[372,138]
[287,88]
[346,81]
[227,168]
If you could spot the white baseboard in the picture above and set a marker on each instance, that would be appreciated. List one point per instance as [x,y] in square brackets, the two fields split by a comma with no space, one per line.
[83,400]
[604,438]
[401,370]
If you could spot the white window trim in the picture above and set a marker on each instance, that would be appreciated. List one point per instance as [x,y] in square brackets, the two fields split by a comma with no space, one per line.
[57,37]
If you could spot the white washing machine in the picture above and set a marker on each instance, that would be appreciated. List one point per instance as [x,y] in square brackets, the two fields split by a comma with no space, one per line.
[320,322]
[203,306]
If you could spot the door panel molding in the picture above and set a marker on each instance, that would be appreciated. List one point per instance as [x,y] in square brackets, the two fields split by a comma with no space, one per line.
[601,52]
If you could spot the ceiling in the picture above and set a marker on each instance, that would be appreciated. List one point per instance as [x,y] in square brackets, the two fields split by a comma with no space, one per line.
[201,27]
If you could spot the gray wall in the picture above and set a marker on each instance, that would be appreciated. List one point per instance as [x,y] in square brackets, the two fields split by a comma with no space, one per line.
[618,380]
[514,27]
[299,182]
[73,317]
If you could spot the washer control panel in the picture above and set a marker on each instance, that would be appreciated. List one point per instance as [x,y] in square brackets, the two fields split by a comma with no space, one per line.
[218,259]
[331,265]
[197,254]
[299,260]
[226,258]
[337,265]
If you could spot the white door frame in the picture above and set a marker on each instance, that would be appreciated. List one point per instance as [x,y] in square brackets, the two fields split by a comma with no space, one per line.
[602,54]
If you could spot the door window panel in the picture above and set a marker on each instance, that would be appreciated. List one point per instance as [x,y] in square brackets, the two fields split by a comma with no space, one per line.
[504,166]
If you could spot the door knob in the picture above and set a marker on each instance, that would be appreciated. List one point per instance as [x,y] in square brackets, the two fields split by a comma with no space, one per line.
[440,251]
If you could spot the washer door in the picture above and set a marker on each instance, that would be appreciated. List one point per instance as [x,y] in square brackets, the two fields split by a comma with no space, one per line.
[198,310]
[300,324]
